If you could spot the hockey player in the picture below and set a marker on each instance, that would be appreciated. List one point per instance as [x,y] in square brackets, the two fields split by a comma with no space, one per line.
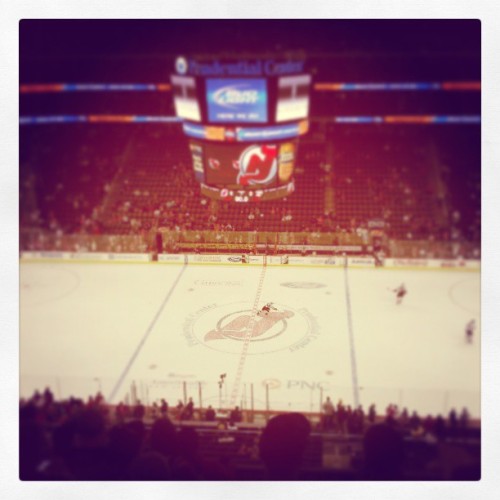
[400,292]
[267,308]
[469,330]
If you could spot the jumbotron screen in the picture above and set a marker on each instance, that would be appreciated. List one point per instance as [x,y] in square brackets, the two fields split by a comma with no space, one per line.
[264,169]
[231,100]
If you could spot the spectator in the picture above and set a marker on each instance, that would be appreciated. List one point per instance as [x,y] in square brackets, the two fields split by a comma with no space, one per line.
[440,430]
[188,411]
[124,445]
[464,418]
[235,415]
[163,438]
[341,417]
[372,414]
[328,414]
[73,440]
[179,409]
[453,421]
[210,414]
[383,451]
[163,408]
[149,466]
[139,410]
[282,445]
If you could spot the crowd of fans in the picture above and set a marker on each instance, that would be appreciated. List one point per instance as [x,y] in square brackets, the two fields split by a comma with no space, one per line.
[73,439]
[345,420]
[395,178]
[413,185]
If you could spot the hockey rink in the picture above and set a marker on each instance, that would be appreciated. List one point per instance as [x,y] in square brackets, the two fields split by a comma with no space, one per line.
[159,330]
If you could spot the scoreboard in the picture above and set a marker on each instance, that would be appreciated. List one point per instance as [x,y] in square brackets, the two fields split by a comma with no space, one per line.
[244,119]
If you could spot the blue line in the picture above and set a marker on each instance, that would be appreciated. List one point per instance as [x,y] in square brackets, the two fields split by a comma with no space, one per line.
[144,338]
[354,372]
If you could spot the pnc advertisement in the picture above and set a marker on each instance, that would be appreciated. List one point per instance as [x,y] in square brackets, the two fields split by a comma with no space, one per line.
[237,100]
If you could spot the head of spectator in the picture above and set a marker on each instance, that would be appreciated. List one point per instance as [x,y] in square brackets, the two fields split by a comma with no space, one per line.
[90,426]
[282,445]
[33,449]
[125,443]
[163,437]
[383,450]
[188,442]
[149,466]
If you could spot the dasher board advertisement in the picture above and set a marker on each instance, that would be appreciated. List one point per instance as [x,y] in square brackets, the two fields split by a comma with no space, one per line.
[232,100]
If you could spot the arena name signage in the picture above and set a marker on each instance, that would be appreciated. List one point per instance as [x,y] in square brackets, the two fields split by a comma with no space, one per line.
[268,67]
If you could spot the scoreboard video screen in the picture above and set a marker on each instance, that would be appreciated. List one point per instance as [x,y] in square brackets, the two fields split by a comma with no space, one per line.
[236,100]
[244,119]
[256,167]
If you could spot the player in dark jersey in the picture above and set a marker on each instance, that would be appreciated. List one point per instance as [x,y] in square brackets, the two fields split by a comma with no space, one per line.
[469,330]
[267,308]
[400,292]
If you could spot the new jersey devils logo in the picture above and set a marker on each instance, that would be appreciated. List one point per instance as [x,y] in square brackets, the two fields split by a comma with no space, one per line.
[245,326]
[233,326]
[257,165]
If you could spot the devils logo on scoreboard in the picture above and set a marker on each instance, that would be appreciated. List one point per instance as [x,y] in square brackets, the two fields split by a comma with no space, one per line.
[257,165]
[213,164]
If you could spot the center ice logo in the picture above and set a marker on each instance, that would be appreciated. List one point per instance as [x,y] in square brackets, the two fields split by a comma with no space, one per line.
[230,327]
[238,326]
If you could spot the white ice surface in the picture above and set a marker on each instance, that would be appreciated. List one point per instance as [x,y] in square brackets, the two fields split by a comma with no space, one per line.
[85,327]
